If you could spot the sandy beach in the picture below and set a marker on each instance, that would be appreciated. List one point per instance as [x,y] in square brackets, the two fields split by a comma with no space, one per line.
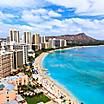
[54,88]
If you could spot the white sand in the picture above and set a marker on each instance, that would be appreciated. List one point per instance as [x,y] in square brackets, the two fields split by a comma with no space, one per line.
[57,90]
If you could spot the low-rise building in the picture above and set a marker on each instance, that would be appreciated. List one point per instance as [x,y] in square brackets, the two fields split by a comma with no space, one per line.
[9,89]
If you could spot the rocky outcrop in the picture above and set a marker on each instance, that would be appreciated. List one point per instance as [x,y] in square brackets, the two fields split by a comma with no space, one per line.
[76,37]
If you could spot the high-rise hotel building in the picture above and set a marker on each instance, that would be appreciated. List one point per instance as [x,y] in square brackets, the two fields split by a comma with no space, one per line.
[20,54]
[28,39]
[57,43]
[36,41]
[5,63]
[14,36]
[17,59]
[43,39]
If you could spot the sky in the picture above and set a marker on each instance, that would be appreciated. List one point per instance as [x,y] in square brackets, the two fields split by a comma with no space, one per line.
[53,17]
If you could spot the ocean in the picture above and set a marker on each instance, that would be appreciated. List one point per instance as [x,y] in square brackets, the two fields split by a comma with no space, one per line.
[80,71]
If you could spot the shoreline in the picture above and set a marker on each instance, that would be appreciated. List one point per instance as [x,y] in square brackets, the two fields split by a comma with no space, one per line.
[38,63]
[74,47]
[61,88]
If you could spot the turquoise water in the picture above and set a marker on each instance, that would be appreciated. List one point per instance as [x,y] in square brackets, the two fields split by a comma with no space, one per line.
[80,71]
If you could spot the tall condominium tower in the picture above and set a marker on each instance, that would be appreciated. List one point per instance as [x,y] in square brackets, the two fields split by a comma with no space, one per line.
[43,39]
[14,35]
[28,39]
[36,39]
[5,63]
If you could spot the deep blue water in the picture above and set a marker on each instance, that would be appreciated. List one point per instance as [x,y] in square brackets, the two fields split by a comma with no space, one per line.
[80,71]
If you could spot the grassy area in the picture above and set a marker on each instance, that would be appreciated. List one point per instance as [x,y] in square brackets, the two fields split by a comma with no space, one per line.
[37,53]
[37,98]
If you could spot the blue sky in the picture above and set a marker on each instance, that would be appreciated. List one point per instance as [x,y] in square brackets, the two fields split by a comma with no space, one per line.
[53,17]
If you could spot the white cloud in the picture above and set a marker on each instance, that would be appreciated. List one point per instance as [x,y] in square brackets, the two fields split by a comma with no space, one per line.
[17,3]
[55,22]
[56,27]
[39,11]
[65,3]
[42,20]
[83,7]
[4,29]
[29,17]
[78,4]
[95,8]
[54,14]
[72,26]
[38,15]
[5,15]
[60,10]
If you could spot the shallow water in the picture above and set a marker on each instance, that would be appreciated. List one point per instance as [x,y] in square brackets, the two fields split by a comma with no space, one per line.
[80,71]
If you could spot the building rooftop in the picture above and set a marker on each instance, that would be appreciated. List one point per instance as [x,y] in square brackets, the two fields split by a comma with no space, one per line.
[5,52]
[12,102]
[19,98]
[8,86]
